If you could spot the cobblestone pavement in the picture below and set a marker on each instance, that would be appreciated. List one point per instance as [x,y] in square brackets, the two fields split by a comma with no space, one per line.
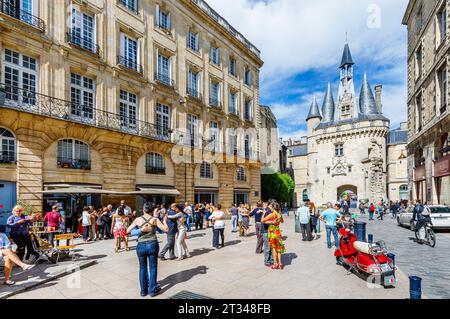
[431,264]
[234,272]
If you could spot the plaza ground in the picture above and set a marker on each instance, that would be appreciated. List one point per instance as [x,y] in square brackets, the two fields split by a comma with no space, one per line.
[232,272]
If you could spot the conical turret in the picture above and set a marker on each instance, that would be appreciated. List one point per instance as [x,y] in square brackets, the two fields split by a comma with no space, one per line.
[367,104]
[328,107]
[347,57]
[314,111]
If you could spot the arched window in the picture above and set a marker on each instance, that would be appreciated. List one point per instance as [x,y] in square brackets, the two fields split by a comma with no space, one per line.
[154,164]
[241,174]
[73,154]
[206,170]
[7,146]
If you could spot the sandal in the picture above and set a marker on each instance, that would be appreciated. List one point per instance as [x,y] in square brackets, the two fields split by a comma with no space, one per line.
[281,266]
[10,282]
[274,266]
[27,267]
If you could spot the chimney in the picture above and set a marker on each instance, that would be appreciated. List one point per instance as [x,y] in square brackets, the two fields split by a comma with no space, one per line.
[378,93]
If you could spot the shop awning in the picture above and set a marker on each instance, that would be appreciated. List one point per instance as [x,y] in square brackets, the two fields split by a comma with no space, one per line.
[156,191]
[79,190]
[58,186]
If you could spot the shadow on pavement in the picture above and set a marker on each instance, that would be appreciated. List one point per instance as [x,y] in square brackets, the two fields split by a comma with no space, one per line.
[232,243]
[288,258]
[196,235]
[180,277]
[201,251]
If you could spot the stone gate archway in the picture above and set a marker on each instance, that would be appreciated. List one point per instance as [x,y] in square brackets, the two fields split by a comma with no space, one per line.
[348,192]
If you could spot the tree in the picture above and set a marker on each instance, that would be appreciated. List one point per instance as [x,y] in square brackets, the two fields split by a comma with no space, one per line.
[277,186]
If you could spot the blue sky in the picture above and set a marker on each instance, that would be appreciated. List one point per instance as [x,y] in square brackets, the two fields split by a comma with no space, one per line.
[302,42]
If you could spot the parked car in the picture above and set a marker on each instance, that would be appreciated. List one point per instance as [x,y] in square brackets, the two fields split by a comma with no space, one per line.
[440,217]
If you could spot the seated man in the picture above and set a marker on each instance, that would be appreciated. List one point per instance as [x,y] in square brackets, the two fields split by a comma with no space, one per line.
[10,257]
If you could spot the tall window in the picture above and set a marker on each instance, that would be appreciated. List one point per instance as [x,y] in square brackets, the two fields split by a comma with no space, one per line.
[206,170]
[232,66]
[128,110]
[129,53]
[233,107]
[419,113]
[442,82]
[248,77]
[232,141]
[193,129]
[82,95]
[19,9]
[214,136]
[83,30]
[419,62]
[163,19]
[441,26]
[7,146]
[419,20]
[241,174]
[247,146]
[164,70]
[21,77]
[214,91]
[194,41]
[214,56]
[73,154]
[154,164]
[193,84]
[162,120]
[339,150]
[248,112]
[130,5]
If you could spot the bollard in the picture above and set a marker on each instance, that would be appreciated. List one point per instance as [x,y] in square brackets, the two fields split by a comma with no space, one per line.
[360,231]
[370,238]
[415,287]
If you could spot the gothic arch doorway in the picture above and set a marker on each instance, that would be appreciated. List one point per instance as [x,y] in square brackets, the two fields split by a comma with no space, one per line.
[349,193]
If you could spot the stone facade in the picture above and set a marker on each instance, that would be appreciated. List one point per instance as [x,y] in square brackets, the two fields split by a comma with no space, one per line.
[397,164]
[269,141]
[428,110]
[117,115]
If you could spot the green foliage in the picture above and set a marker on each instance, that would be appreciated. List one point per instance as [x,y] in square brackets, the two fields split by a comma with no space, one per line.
[277,186]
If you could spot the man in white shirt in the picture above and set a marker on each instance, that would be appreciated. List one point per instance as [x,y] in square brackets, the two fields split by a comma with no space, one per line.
[188,211]
[304,215]
[126,208]
[218,218]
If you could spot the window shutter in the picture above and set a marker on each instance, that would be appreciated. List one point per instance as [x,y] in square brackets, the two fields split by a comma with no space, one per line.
[169,21]
[197,42]
[138,53]
[157,15]
[122,44]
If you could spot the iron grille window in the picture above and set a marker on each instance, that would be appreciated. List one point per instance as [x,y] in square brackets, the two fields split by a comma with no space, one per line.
[83,31]
[7,146]
[162,120]
[206,170]
[22,10]
[163,19]
[164,70]
[128,110]
[129,53]
[73,154]
[241,174]
[193,84]
[154,164]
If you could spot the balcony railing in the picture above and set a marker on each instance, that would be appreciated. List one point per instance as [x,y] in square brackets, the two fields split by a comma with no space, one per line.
[164,29]
[10,9]
[215,102]
[130,64]
[155,170]
[164,79]
[73,163]
[32,102]
[7,158]
[82,42]
[193,92]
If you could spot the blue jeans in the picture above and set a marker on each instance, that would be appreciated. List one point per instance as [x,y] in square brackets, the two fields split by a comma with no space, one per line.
[234,222]
[188,222]
[332,229]
[147,253]
[268,257]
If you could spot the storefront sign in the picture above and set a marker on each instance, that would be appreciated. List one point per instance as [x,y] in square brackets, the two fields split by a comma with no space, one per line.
[442,167]
[419,174]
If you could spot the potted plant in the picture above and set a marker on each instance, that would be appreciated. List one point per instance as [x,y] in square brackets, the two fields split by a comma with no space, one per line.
[2,94]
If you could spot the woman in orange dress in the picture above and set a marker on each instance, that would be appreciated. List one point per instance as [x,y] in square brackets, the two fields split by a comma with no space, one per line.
[275,236]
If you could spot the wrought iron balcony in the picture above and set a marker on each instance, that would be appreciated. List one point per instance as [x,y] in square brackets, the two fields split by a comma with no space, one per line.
[10,9]
[32,102]
[7,158]
[73,163]
[130,64]
[82,42]
[193,92]
[215,102]
[155,170]
[164,79]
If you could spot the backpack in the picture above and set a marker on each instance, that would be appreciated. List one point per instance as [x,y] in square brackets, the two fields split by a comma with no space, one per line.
[426,211]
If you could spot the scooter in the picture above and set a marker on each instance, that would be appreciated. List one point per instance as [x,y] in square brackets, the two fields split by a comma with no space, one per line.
[365,258]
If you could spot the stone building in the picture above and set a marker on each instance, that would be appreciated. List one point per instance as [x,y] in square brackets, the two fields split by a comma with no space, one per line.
[297,166]
[110,97]
[397,164]
[269,141]
[428,110]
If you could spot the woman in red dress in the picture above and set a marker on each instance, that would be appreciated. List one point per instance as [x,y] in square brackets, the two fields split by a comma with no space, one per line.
[275,236]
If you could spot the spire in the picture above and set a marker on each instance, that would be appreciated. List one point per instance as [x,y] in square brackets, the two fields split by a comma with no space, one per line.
[328,106]
[314,111]
[367,104]
[346,57]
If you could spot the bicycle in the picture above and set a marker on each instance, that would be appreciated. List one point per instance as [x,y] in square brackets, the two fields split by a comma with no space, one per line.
[426,231]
